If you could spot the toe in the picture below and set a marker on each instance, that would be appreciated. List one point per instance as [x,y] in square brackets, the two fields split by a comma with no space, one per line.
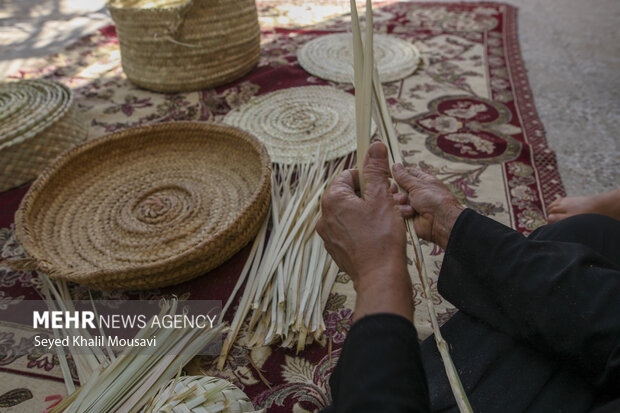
[556,207]
[555,217]
[555,204]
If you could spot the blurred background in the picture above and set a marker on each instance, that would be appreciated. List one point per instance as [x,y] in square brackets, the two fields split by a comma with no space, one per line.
[571,50]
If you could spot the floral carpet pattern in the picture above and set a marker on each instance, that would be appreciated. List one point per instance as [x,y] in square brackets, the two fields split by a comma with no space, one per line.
[467,116]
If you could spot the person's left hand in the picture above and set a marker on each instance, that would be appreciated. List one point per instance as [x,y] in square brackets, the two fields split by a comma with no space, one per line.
[366,236]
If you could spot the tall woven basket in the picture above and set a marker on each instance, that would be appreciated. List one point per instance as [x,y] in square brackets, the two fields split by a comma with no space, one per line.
[38,121]
[184,45]
[146,207]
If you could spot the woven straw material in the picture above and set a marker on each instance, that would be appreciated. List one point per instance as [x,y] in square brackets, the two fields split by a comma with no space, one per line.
[200,393]
[330,57]
[298,123]
[146,207]
[186,45]
[38,121]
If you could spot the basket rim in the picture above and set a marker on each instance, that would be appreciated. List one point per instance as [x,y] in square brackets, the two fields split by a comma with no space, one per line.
[30,245]
[112,4]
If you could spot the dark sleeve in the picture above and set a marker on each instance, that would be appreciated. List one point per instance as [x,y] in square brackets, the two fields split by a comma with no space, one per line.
[379,369]
[562,298]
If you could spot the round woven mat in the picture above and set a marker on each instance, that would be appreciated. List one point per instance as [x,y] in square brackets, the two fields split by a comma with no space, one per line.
[28,107]
[331,57]
[146,207]
[296,123]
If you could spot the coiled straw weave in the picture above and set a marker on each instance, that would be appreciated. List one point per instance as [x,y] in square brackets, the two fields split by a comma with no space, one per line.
[37,122]
[175,46]
[200,393]
[329,57]
[298,123]
[146,207]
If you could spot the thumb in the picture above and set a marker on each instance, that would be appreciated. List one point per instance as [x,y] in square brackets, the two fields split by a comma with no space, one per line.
[405,178]
[376,168]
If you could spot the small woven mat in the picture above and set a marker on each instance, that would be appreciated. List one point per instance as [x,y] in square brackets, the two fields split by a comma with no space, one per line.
[330,57]
[146,207]
[298,123]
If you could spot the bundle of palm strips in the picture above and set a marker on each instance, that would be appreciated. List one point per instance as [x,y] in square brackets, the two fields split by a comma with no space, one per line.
[126,382]
[288,274]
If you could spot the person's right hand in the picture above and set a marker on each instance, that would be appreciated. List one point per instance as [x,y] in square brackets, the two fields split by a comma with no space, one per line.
[433,206]
[366,237]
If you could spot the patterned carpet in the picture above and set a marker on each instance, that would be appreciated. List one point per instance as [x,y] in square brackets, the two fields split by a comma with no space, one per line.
[466,116]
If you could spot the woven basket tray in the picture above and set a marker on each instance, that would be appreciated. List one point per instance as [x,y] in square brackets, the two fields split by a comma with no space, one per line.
[184,45]
[37,122]
[146,207]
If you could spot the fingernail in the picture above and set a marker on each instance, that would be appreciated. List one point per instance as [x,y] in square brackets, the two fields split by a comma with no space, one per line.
[377,151]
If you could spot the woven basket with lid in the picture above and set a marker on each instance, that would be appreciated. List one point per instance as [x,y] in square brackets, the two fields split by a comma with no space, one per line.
[146,207]
[184,45]
[38,121]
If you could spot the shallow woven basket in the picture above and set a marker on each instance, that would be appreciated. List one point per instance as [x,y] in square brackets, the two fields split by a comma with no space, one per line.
[183,45]
[38,121]
[146,207]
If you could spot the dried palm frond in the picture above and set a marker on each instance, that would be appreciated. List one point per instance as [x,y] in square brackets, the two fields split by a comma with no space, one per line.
[288,274]
[372,85]
[362,69]
[200,393]
[57,297]
[124,383]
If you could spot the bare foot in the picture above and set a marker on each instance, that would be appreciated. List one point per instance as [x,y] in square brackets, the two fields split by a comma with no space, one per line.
[605,204]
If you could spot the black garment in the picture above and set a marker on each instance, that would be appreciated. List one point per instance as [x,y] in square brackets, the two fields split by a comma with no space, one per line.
[538,328]
[380,367]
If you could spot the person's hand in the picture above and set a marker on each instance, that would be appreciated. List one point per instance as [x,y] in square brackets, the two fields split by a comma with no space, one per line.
[366,237]
[431,204]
